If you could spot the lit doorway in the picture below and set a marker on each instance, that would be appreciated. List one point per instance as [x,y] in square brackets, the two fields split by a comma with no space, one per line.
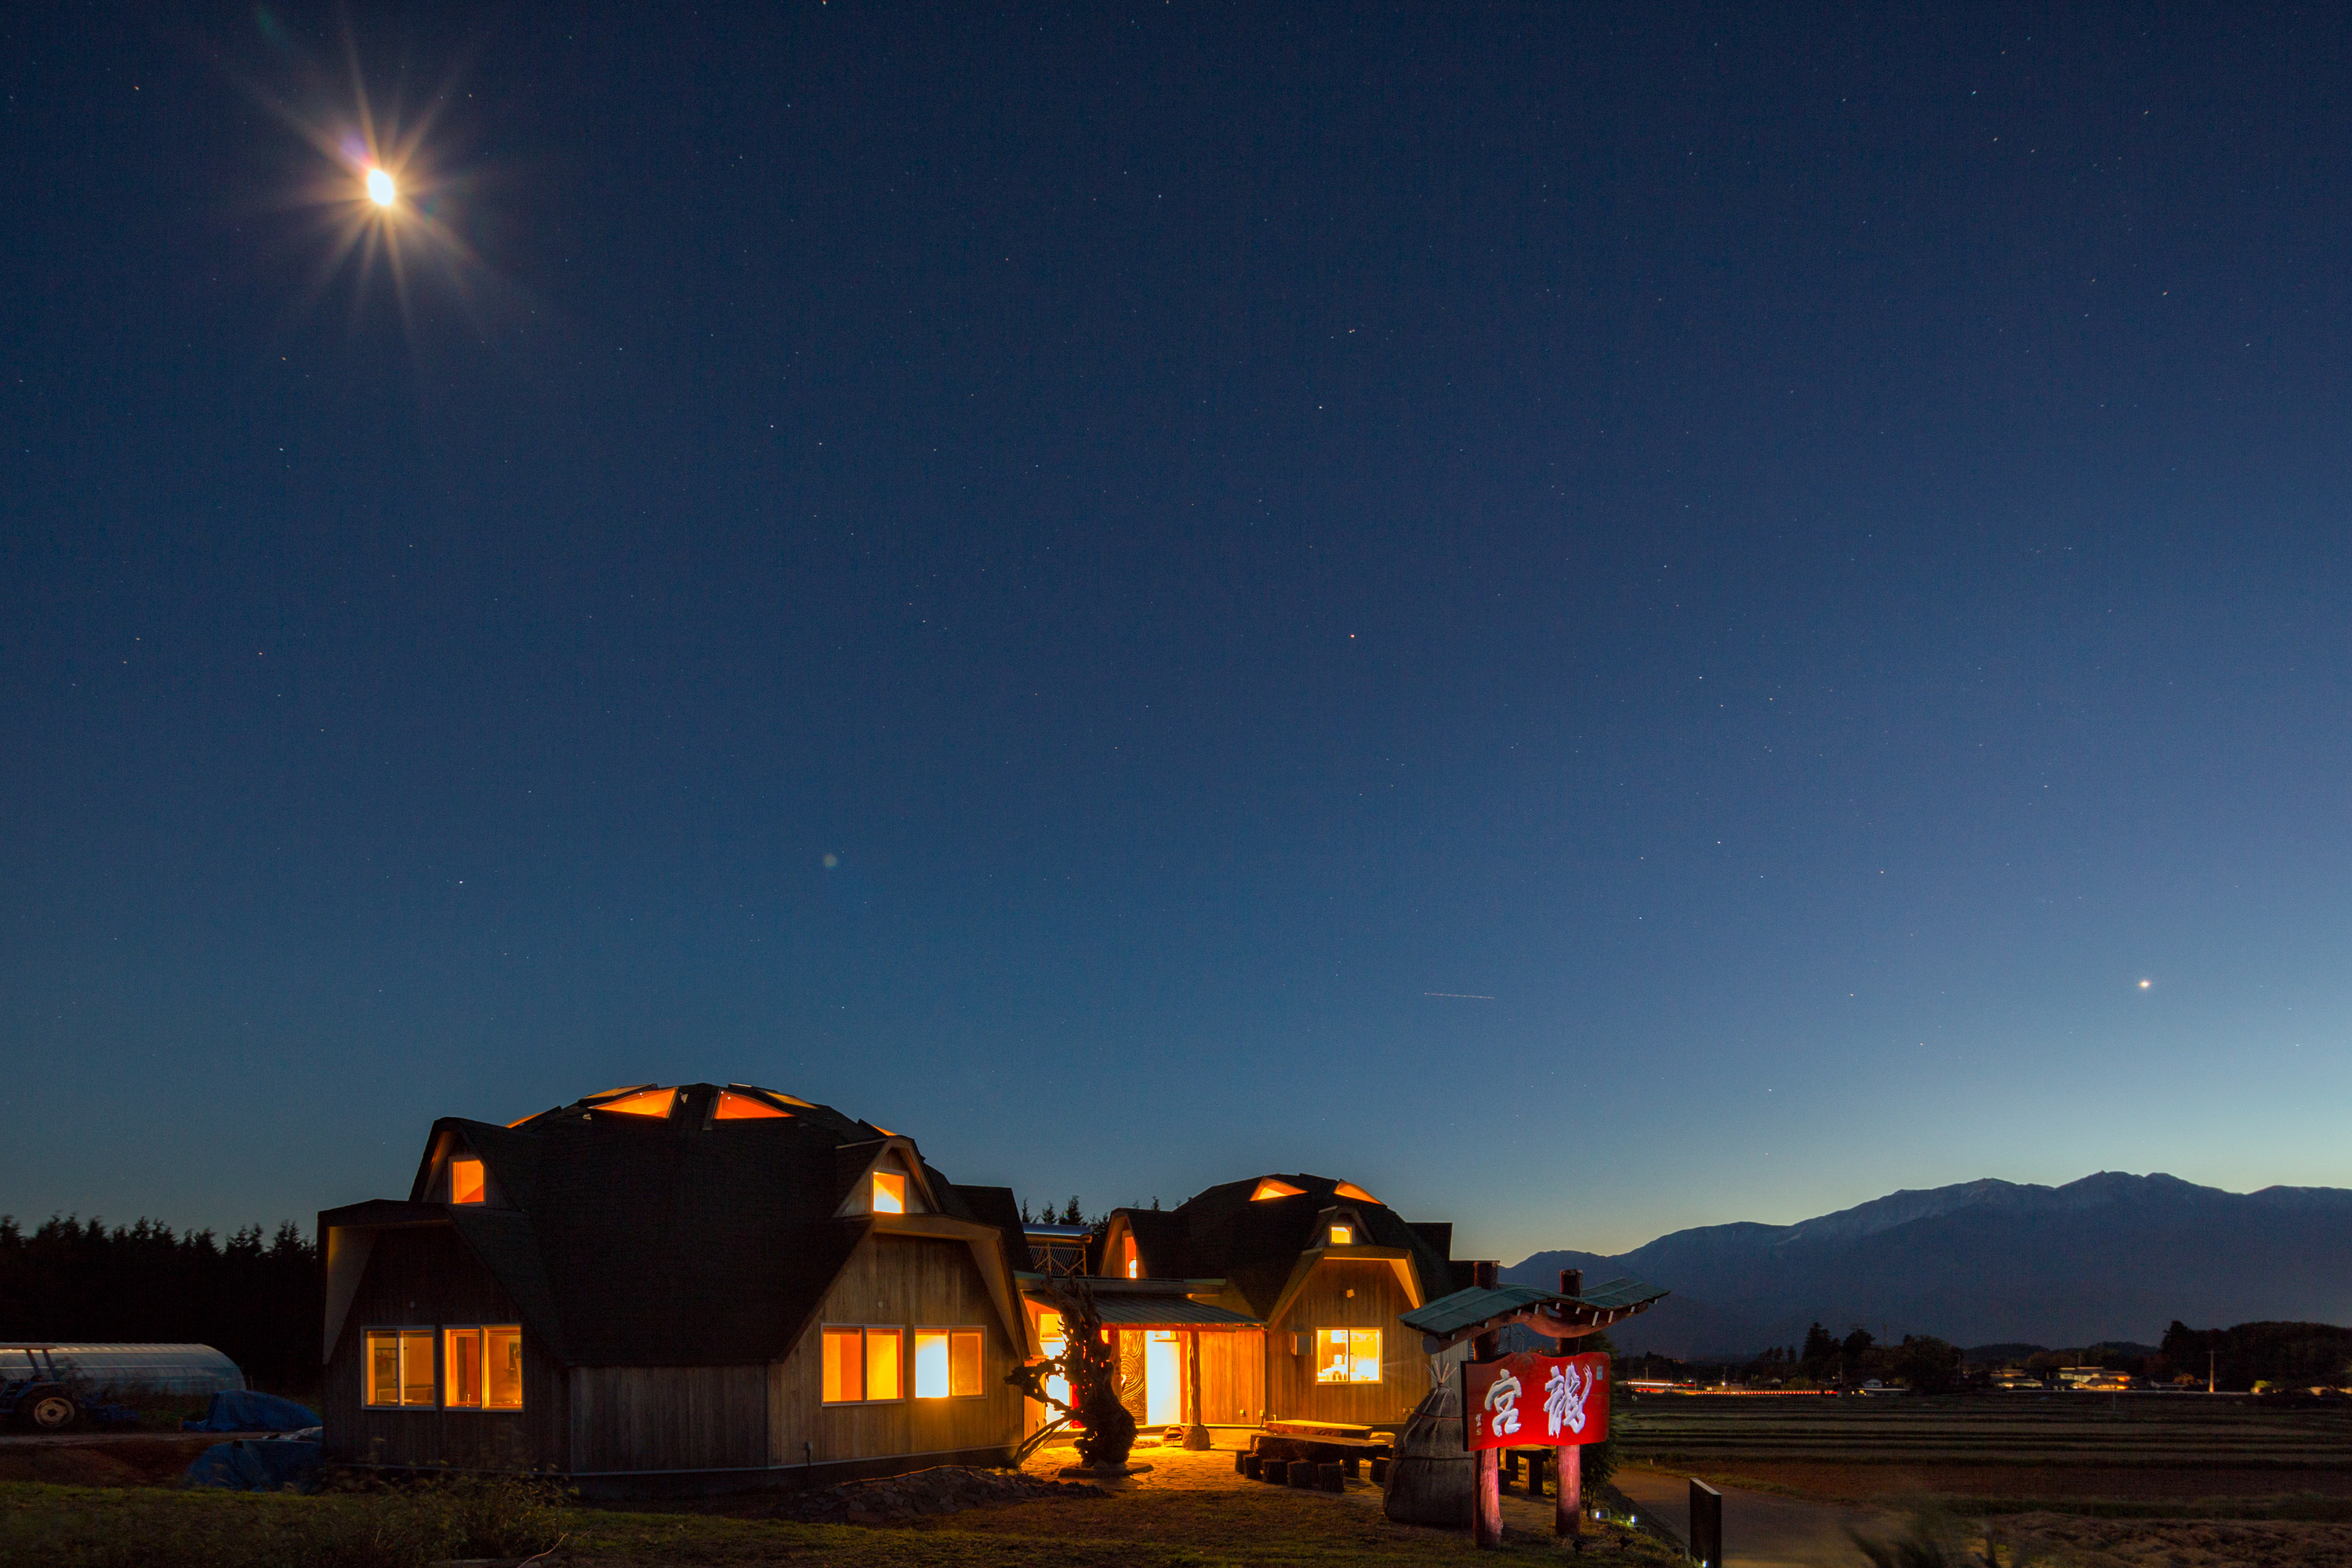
[1163,1379]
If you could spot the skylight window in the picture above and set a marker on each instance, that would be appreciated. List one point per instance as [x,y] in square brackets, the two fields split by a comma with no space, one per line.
[645,1102]
[1349,1190]
[733,1106]
[1274,1187]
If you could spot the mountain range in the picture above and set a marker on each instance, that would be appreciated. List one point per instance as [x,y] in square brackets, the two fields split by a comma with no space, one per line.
[2112,1257]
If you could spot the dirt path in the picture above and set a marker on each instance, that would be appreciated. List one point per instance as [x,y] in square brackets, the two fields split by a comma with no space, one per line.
[1759,1530]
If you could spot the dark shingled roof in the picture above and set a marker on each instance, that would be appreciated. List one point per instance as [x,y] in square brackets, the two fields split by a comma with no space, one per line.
[1254,1246]
[678,1241]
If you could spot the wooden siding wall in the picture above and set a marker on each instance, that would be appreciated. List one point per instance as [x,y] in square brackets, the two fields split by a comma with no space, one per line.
[1232,1376]
[907,1282]
[668,1418]
[428,1276]
[1292,1393]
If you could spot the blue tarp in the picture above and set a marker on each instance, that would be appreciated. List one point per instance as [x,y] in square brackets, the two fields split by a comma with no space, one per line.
[263,1465]
[242,1410]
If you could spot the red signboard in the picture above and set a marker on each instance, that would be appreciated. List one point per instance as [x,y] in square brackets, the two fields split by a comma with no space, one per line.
[1531,1401]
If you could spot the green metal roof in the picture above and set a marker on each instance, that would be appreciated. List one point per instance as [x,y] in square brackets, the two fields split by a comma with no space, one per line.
[1449,1315]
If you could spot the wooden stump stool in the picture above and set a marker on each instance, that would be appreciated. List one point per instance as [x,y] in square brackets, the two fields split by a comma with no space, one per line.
[1328,1477]
[1276,1471]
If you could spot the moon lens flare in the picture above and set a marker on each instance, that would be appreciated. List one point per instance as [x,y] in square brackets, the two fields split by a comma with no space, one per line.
[380,189]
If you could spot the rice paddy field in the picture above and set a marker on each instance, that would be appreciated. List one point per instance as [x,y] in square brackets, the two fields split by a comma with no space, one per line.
[2097,1480]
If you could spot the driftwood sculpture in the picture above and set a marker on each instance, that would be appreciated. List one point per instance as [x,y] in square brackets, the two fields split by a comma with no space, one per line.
[1088,1367]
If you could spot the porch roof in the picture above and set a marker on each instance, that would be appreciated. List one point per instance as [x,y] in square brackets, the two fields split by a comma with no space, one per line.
[1161,1309]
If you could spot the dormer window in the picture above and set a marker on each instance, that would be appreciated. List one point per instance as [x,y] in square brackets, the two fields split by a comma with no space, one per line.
[889,1193]
[1134,1263]
[466,1182]
[1343,1236]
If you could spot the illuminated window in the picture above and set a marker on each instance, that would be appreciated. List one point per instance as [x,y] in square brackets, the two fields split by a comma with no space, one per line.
[650,1103]
[1347,1356]
[461,1368]
[862,1364]
[947,1363]
[883,1366]
[1349,1190]
[1343,1236]
[780,1097]
[1134,1264]
[931,1363]
[399,1367]
[1274,1187]
[503,1367]
[733,1106]
[845,1365]
[465,1181]
[889,1193]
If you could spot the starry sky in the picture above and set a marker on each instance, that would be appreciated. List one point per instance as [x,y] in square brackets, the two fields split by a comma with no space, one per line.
[1598,618]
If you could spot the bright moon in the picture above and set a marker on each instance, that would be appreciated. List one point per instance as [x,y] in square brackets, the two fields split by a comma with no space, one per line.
[379,188]
[2143,984]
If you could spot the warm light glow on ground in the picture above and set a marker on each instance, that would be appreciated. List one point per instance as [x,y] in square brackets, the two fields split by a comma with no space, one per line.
[380,189]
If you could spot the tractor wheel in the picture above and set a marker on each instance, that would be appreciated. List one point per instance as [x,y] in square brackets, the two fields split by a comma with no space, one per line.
[51,1413]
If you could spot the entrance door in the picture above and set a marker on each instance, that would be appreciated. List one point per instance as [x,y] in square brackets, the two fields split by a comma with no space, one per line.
[1163,1379]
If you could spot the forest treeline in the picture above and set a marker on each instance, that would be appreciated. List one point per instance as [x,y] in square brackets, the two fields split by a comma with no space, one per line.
[256,1298]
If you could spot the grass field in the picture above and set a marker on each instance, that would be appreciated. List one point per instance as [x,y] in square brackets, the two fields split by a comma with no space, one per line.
[1192,1512]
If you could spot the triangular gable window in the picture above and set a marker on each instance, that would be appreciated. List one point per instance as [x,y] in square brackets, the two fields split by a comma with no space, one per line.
[645,1102]
[1274,1187]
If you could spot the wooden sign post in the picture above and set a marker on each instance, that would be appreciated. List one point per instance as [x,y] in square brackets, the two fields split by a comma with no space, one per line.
[1519,1401]
[1507,1402]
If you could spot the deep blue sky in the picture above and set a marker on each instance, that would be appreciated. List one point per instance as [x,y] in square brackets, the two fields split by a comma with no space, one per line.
[1802,556]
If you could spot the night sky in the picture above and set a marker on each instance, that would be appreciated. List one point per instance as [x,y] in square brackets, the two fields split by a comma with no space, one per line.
[1597,619]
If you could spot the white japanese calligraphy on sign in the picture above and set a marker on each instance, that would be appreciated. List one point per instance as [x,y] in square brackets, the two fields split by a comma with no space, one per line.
[1565,1392]
[1502,1399]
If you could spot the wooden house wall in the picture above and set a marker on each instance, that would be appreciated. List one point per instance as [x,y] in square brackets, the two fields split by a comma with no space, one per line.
[423,1277]
[1292,1393]
[1232,1376]
[668,1418]
[905,1282]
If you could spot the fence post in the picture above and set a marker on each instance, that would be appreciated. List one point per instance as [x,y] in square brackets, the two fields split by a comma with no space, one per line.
[1705,1524]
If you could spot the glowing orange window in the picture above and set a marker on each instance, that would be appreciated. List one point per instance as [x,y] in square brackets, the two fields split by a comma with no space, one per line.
[1274,1187]
[1349,1190]
[845,1365]
[461,1369]
[1343,1236]
[465,1181]
[502,1366]
[733,1106]
[890,1193]
[650,1103]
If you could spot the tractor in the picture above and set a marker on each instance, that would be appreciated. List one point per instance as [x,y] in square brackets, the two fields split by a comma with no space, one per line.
[38,1395]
